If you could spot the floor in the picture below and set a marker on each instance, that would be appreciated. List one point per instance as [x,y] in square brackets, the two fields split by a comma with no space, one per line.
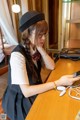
[3,83]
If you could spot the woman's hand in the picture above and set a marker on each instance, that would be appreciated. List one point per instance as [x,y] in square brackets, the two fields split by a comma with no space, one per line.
[40,45]
[67,80]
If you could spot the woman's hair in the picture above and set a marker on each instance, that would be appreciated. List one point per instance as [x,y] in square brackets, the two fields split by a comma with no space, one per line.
[40,28]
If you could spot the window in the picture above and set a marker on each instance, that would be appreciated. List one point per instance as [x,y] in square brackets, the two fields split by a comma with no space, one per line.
[1,39]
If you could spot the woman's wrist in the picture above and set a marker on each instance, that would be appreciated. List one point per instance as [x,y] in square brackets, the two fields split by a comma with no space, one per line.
[54,86]
[41,50]
[57,82]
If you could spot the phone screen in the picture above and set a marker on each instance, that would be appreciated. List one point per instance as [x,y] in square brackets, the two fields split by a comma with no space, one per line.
[77,74]
[76,83]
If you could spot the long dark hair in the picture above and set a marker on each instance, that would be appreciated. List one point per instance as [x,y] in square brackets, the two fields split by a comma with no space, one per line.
[40,27]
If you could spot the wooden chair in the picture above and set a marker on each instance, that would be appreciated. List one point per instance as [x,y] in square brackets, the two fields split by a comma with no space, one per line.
[3,70]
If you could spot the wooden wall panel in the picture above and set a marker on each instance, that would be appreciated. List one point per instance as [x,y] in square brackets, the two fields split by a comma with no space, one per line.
[35,5]
[38,5]
[53,23]
[30,5]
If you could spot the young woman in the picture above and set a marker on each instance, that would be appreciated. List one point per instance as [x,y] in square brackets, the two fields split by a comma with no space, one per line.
[24,80]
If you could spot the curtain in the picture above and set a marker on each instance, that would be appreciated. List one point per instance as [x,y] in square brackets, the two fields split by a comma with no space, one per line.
[24,5]
[6,24]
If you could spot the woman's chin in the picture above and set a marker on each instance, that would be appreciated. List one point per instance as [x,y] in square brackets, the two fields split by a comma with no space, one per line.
[41,45]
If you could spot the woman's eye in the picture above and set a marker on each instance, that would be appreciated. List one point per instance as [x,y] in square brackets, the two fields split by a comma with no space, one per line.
[40,36]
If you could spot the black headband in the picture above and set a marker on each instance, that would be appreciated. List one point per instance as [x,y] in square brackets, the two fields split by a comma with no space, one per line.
[30,18]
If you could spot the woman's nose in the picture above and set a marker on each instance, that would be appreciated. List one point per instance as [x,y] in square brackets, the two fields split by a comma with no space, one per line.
[44,37]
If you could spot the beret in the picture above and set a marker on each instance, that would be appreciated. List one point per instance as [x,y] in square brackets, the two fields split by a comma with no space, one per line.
[30,18]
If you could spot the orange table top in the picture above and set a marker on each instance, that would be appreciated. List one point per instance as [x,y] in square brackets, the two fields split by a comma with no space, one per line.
[49,105]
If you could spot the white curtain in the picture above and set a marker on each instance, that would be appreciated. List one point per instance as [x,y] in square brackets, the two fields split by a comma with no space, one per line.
[6,24]
[24,6]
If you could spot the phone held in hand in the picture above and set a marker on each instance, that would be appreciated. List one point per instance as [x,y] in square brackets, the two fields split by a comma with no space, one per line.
[76,74]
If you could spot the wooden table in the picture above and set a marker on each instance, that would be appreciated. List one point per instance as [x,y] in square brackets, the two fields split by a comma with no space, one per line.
[49,105]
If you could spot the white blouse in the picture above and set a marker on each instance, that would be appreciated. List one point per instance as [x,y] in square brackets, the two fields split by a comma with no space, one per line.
[18,69]
[18,66]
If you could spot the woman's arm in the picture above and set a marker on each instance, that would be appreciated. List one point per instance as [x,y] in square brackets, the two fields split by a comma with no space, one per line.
[18,69]
[19,77]
[30,90]
[48,61]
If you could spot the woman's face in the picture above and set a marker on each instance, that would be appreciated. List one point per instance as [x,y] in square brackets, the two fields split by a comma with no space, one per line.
[41,39]
[38,33]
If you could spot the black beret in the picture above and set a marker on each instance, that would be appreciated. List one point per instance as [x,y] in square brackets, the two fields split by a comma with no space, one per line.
[30,18]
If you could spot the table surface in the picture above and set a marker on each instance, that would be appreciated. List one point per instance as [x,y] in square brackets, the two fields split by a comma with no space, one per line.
[49,105]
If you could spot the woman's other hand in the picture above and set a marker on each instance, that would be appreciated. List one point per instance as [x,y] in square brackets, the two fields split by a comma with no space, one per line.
[67,80]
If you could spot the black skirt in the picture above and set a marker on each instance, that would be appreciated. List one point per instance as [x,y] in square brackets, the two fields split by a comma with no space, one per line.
[15,105]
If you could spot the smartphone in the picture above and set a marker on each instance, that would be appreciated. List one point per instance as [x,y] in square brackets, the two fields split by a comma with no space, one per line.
[76,74]
[76,83]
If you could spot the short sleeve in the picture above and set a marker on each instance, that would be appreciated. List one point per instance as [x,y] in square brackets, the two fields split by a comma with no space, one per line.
[18,69]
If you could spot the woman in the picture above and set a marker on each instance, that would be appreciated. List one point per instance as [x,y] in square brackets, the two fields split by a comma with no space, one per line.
[24,81]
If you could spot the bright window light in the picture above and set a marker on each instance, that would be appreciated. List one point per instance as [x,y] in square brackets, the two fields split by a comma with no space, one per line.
[67,1]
